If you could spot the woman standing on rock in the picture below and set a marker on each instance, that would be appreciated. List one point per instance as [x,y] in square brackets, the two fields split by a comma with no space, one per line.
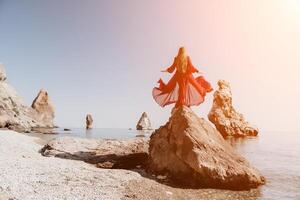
[182,89]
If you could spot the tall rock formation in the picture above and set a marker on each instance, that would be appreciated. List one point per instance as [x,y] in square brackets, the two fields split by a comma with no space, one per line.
[13,112]
[44,108]
[144,122]
[89,121]
[193,153]
[222,114]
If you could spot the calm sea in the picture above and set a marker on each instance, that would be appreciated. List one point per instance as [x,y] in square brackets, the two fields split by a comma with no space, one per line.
[275,154]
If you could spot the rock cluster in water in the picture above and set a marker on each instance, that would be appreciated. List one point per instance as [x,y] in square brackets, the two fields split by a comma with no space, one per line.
[193,153]
[222,114]
[89,121]
[13,112]
[144,122]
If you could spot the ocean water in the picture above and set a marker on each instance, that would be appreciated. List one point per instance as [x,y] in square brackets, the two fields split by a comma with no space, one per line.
[96,133]
[275,154]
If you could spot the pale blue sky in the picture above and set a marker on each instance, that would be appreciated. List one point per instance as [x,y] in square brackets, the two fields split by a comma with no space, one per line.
[104,57]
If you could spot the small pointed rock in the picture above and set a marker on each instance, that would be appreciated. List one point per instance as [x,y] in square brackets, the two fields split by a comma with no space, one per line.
[144,122]
[89,121]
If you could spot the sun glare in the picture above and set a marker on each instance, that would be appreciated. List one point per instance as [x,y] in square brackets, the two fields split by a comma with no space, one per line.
[292,7]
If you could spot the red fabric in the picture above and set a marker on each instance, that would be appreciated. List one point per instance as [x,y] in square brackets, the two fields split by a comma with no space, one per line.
[182,88]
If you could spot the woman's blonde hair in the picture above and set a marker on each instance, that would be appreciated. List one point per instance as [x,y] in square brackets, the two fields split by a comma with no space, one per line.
[181,60]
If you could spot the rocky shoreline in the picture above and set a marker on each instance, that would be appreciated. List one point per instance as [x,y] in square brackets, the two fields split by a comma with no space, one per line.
[26,174]
[185,153]
[15,115]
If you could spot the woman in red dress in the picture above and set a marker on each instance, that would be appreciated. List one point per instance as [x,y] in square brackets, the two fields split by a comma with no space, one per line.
[182,89]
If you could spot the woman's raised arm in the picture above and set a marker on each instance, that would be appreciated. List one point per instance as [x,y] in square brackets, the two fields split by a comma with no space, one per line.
[171,68]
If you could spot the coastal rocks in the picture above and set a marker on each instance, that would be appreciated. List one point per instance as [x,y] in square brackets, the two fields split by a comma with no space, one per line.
[89,121]
[43,130]
[116,154]
[3,121]
[195,154]
[222,114]
[2,73]
[44,108]
[14,114]
[144,122]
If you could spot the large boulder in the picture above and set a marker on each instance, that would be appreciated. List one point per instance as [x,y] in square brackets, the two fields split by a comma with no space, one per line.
[144,122]
[89,121]
[222,114]
[193,153]
[44,108]
[121,154]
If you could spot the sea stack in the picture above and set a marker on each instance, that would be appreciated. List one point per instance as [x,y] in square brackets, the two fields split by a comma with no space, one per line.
[193,153]
[144,122]
[89,121]
[222,114]
[44,108]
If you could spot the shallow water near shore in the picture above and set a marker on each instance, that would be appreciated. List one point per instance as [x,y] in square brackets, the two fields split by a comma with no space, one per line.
[96,133]
[275,154]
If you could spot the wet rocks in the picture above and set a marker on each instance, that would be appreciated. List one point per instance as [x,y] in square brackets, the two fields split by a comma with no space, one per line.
[193,153]
[43,130]
[226,119]
[144,122]
[125,154]
[89,121]
[44,108]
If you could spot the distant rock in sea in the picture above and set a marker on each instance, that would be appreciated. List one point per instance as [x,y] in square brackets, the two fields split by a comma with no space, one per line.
[222,114]
[44,108]
[193,153]
[144,122]
[89,121]
[13,112]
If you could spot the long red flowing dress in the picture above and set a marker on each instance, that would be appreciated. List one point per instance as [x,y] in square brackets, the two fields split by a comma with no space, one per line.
[183,88]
